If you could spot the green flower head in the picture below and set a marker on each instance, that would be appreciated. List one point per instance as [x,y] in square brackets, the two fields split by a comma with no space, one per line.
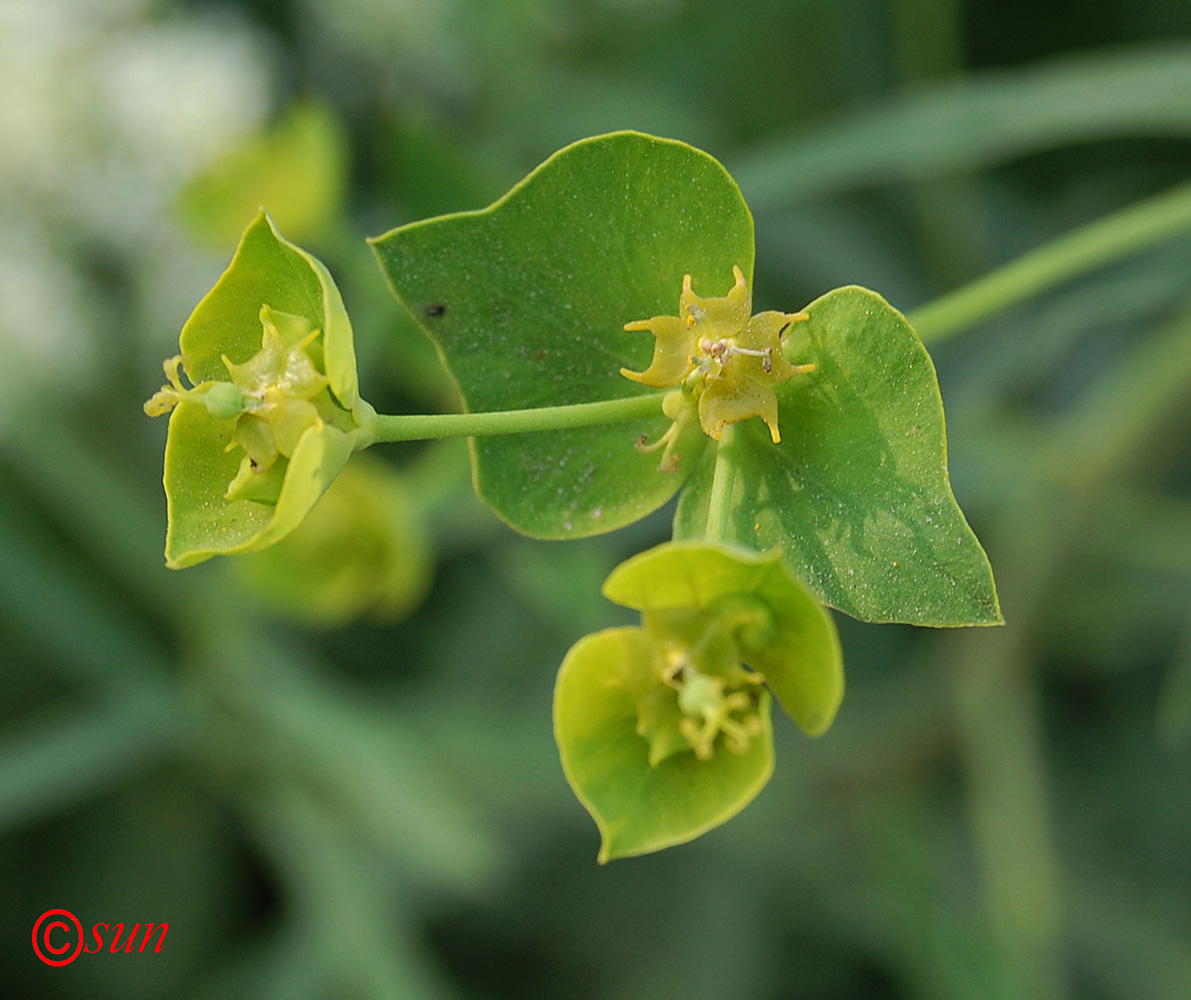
[272,412]
[726,357]
[664,729]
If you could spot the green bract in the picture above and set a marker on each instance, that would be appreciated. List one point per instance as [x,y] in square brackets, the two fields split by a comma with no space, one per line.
[664,730]
[274,412]
[527,302]
[856,494]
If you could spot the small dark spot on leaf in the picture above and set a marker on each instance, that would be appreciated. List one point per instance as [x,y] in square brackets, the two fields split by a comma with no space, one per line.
[435,309]
[542,355]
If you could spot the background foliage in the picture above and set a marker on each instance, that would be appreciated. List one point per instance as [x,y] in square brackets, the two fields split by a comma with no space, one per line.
[378,810]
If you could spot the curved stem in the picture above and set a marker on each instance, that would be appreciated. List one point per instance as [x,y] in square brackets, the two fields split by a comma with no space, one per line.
[719,506]
[1100,242]
[545,418]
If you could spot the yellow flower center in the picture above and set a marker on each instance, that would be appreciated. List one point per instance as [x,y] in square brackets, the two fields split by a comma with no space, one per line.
[274,397]
[726,359]
[711,706]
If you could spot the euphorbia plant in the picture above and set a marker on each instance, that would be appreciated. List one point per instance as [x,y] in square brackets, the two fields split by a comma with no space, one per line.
[807,447]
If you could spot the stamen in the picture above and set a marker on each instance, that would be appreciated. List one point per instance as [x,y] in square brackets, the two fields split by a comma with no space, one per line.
[670,460]
[708,711]
[764,352]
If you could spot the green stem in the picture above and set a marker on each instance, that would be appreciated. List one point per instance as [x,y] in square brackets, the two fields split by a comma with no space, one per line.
[1100,242]
[544,418]
[719,506]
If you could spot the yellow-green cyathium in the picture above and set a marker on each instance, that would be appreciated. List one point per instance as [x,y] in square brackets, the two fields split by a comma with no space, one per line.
[726,360]
[273,410]
[664,728]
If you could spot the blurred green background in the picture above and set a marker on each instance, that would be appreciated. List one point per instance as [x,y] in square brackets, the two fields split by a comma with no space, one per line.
[371,805]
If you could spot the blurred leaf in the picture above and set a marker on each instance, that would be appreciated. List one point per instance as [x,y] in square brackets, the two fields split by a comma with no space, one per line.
[360,551]
[1124,410]
[1132,940]
[433,170]
[527,301]
[1173,722]
[51,762]
[119,525]
[362,769]
[1080,321]
[976,122]
[41,587]
[298,170]
[162,849]
[1144,529]
[857,495]
[558,581]
[347,909]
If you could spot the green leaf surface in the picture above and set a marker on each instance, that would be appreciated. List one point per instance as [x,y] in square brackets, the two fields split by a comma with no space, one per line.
[638,807]
[268,270]
[198,468]
[799,652]
[527,300]
[857,494]
[298,168]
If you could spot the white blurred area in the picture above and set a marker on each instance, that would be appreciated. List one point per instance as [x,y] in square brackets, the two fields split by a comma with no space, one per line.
[107,107]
